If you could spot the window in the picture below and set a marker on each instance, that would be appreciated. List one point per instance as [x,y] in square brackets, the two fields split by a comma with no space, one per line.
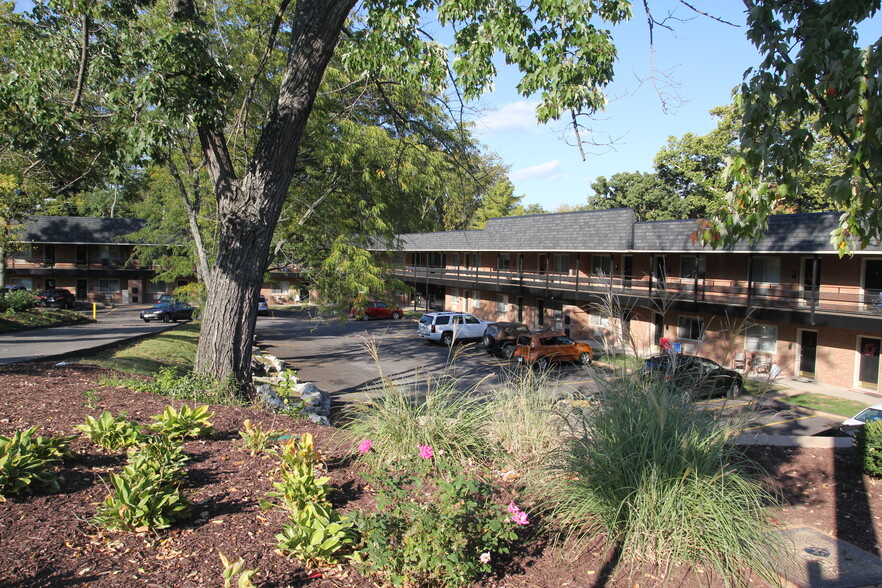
[49,254]
[157,286]
[436,259]
[601,265]
[766,269]
[109,252]
[504,261]
[398,258]
[561,263]
[454,260]
[599,320]
[692,266]
[454,295]
[476,301]
[280,287]
[108,285]
[501,303]
[761,338]
[690,328]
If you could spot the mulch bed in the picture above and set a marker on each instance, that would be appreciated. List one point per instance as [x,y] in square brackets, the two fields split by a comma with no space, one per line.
[51,541]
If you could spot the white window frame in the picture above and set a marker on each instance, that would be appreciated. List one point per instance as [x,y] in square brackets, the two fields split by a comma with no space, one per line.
[501,303]
[599,320]
[454,295]
[695,324]
[761,339]
[476,300]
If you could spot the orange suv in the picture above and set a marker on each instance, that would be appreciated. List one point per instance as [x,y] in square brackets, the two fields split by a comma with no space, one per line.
[543,348]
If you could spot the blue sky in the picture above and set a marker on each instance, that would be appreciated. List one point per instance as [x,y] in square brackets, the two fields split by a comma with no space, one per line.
[706,58]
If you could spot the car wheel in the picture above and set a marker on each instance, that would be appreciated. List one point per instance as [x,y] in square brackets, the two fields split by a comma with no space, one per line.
[487,341]
[585,359]
[447,339]
[735,389]
[146,320]
[166,318]
[364,317]
[542,363]
[396,315]
[508,351]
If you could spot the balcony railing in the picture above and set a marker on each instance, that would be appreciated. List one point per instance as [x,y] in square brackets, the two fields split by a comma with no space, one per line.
[790,296]
[78,264]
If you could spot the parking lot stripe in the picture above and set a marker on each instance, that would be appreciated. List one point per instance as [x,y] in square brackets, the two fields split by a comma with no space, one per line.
[809,416]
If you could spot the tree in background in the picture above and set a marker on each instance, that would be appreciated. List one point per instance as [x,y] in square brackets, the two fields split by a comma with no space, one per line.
[650,198]
[814,81]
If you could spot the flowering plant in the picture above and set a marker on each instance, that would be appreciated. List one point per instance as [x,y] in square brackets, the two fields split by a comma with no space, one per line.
[433,526]
[365,446]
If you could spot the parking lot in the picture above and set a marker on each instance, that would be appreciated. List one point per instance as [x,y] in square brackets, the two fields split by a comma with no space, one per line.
[336,358]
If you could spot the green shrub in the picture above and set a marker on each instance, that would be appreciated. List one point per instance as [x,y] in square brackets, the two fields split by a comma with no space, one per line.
[869,446]
[27,462]
[146,494]
[185,423]
[111,433]
[17,301]
[659,479]
[190,386]
[435,528]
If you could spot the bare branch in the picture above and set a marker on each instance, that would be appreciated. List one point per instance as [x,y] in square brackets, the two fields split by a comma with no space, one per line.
[84,63]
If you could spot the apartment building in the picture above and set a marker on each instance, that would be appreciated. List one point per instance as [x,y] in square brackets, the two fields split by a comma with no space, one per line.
[605,278]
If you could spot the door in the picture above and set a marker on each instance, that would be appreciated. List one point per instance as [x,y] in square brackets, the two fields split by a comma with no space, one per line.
[811,279]
[473,328]
[540,312]
[872,281]
[82,290]
[520,309]
[868,376]
[659,328]
[808,349]
[627,271]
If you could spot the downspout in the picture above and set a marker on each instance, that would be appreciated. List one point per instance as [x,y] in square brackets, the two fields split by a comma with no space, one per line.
[749,280]
[816,289]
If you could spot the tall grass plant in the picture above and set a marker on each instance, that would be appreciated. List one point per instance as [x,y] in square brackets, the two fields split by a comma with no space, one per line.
[658,479]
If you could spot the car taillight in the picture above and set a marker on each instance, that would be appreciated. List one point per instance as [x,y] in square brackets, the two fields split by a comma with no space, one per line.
[433,328]
[668,377]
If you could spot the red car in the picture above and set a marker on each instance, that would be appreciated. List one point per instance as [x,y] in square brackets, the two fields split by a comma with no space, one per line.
[376,309]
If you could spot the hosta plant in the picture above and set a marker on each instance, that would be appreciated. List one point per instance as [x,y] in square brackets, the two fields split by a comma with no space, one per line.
[316,535]
[257,440]
[185,423]
[27,462]
[235,568]
[141,503]
[159,456]
[110,432]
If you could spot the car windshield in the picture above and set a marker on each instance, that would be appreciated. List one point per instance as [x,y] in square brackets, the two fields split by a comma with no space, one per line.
[871,414]
[524,340]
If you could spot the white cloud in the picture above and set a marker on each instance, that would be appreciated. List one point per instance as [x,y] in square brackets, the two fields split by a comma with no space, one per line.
[550,170]
[514,116]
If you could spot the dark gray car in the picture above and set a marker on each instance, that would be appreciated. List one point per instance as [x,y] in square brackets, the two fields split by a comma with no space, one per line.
[500,339]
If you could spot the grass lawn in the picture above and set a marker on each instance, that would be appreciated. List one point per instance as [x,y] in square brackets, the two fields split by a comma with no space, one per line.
[171,348]
[831,404]
[36,318]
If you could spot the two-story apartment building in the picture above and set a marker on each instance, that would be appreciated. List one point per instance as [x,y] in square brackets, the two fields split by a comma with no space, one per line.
[93,258]
[601,276]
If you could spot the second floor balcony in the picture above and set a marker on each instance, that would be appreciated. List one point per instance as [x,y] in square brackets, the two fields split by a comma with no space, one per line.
[832,299]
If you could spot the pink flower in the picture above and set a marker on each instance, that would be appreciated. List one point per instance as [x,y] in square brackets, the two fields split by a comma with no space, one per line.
[365,446]
[485,557]
[426,451]
[512,508]
[520,518]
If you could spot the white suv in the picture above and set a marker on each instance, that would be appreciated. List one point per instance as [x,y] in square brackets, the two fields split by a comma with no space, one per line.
[447,327]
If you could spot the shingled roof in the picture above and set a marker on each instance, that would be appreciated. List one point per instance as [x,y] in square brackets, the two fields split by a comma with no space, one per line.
[792,233]
[595,230]
[80,230]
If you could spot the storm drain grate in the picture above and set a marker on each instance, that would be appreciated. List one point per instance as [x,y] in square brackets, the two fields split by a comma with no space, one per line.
[819,561]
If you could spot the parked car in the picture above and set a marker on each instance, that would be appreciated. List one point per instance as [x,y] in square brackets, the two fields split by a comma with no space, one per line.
[543,348]
[168,312]
[697,377]
[376,309]
[446,327]
[851,426]
[262,306]
[502,338]
[58,297]
[13,287]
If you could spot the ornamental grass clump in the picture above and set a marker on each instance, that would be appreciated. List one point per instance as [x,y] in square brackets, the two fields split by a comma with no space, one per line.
[436,523]
[660,480]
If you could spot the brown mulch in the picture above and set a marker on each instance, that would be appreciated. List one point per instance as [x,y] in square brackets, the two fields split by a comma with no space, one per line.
[49,540]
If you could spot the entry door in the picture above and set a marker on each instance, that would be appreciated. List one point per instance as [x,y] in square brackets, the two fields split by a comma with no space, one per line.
[872,281]
[627,271]
[868,376]
[659,328]
[808,350]
[809,280]
[82,290]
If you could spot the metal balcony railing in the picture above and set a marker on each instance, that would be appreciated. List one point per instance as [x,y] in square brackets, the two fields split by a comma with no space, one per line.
[790,296]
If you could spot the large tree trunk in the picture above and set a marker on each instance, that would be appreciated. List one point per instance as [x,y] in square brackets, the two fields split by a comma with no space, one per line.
[248,209]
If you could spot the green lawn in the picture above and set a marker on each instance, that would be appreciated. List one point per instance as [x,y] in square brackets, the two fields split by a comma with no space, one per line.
[831,404]
[171,348]
[36,318]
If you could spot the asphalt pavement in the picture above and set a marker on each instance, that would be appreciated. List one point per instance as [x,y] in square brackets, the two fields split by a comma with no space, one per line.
[112,326]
